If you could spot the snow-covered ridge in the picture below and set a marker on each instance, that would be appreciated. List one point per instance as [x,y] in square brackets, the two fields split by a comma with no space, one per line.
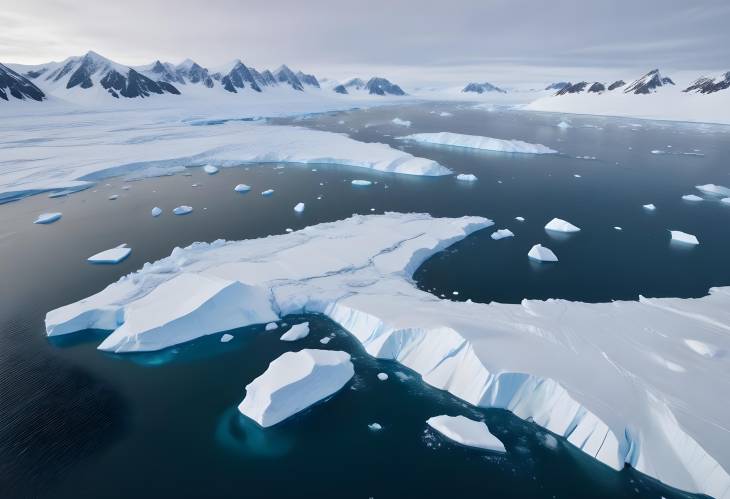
[151,147]
[478,142]
[530,358]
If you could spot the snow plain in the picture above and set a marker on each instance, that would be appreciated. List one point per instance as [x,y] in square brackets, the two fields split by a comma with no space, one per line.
[465,431]
[478,142]
[529,358]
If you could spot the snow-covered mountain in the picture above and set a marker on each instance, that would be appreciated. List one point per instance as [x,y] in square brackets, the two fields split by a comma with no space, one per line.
[16,86]
[374,86]
[709,85]
[558,85]
[481,88]
[649,83]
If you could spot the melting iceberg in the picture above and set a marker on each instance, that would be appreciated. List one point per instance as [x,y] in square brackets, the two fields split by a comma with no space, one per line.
[400,122]
[47,218]
[293,382]
[361,183]
[156,211]
[182,210]
[210,169]
[242,188]
[542,254]
[467,177]
[465,431]
[478,142]
[715,190]
[299,207]
[649,207]
[559,225]
[501,234]
[267,192]
[114,255]
[683,237]
[692,197]
[296,332]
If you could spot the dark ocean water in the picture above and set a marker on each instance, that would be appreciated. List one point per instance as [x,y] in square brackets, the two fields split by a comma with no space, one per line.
[77,423]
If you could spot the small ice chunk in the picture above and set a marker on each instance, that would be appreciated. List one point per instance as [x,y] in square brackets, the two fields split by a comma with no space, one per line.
[296,332]
[125,187]
[617,227]
[467,432]
[382,376]
[182,210]
[299,207]
[113,197]
[375,427]
[501,234]
[400,122]
[362,183]
[293,382]
[542,254]
[563,125]
[692,197]
[520,219]
[114,255]
[576,175]
[559,225]
[271,326]
[444,114]
[156,211]
[467,177]
[242,188]
[226,338]
[650,207]
[47,218]
[210,169]
[289,229]
[550,441]
[725,200]
[716,190]
[683,237]
[325,340]
[267,192]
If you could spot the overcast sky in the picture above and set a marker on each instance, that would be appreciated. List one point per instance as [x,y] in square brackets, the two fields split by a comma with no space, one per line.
[402,37]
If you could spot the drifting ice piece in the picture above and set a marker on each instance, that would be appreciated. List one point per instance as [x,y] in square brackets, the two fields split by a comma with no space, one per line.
[271,326]
[479,142]
[725,200]
[542,254]
[717,190]
[114,255]
[375,427]
[242,188]
[683,237]
[299,207]
[293,382]
[382,376]
[465,431]
[558,225]
[649,206]
[296,332]
[501,234]
[398,121]
[361,183]
[468,177]
[210,169]
[113,197]
[47,218]
[563,125]
[267,192]
[226,338]
[691,197]
[182,210]
[520,219]
[156,211]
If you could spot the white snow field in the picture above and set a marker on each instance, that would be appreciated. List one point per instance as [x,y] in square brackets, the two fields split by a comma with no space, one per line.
[529,358]
[155,143]
[293,382]
[683,237]
[114,255]
[478,142]
[47,218]
[296,332]
[542,254]
[465,431]
[560,225]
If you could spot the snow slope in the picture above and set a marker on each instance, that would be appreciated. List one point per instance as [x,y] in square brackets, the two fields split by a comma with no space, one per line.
[651,399]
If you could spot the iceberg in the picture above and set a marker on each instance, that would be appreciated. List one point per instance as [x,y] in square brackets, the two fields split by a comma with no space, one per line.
[683,237]
[617,227]
[113,197]
[529,358]
[559,225]
[478,142]
[156,211]
[692,197]
[296,332]
[467,177]
[400,122]
[325,340]
[382,376]
[725,200]
[649,207]
[361,183]
[375,426]
[501,234]
[271,326]
[114,255]
[47,218]
[294,382]
[182,210]
[467,432]
[715,190]
[210,169]
[267,192]
[563,125]
[226,338]
[299,207]
[542,254]
[242,188]
[520,219]
[445,114]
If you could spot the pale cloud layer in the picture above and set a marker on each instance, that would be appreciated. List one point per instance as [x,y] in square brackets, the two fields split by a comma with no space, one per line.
[457,35]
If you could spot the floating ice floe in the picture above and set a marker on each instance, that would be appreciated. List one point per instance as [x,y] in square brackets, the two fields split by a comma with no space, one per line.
[375,427]
[156,211]
[542,254]
[479,142]
[361,183]
[445,114]
[293,382]
[564,125]
[559,225]
[113,197]
[529,358]
[210,169]
[725,200]
[501,234]
[114,255]
[226,338]
[683,237]
[182,210]
[242,188]
[296,332]
[520,219]
[267,192]
[271,326]
[47,218]
[576,175]
[299,207]
[716,190]
[467,432]
[587,158]
[692,197]
[325,340]
[617,227]
[466,177]
[382,376]
[649,207]
[400,122]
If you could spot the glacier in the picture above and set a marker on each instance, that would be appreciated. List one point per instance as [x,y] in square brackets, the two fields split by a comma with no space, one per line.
[478,142]
[467,432]
[528,358]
